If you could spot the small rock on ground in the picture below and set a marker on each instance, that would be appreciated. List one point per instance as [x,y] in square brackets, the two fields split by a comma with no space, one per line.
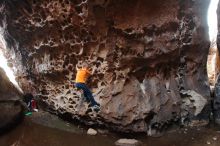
[127,142]
[103,131]
[91,131]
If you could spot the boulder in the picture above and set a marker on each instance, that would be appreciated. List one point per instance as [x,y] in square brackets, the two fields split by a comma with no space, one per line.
[10,106]
[91,131]
[149,59]
[127,142]
[216,102]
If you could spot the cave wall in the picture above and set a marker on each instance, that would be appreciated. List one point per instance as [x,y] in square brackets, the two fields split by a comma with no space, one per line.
[150,58]
[216,101]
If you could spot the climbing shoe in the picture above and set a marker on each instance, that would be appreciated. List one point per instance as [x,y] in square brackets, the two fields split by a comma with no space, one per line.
[28,114]
[96,108]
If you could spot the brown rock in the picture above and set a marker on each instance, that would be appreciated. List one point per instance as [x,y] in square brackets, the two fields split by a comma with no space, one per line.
[216,103]
[147,56]
[11,110]
[127,142]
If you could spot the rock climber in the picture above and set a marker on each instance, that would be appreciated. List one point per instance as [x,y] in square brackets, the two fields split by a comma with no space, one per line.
[80,83]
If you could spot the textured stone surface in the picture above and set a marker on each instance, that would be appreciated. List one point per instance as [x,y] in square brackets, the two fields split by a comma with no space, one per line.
[10,107]
[216,102]
[150,58]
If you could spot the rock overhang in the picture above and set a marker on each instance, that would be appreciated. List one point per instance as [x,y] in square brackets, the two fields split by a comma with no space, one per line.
[147,55]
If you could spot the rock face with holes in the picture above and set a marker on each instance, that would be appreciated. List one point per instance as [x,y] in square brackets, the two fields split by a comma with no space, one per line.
[216,102]
[149,58]
[10,106]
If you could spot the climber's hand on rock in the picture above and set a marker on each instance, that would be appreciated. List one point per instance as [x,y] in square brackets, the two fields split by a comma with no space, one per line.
[77,68]
[92,70]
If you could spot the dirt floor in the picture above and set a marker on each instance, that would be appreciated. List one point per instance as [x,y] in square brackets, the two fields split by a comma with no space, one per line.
[44,129]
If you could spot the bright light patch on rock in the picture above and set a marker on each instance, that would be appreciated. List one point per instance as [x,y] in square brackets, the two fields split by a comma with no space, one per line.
[212,19]
[212,23]
[4,65]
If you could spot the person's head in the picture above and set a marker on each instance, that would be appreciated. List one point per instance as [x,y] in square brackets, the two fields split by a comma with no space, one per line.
[28,97]
[85,65]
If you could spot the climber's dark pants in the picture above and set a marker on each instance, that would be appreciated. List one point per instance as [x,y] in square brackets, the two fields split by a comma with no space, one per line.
[87,93]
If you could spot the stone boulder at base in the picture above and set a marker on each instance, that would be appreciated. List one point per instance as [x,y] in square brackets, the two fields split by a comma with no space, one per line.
[127,142]
[149,58]
[91,131]
[10,106]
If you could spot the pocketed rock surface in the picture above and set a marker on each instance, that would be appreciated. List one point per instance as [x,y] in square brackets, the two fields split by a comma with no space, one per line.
[149,58]
[216,102]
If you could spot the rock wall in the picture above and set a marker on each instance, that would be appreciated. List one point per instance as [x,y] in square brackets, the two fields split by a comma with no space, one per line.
[10,106]
[216,102]
[149,58]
